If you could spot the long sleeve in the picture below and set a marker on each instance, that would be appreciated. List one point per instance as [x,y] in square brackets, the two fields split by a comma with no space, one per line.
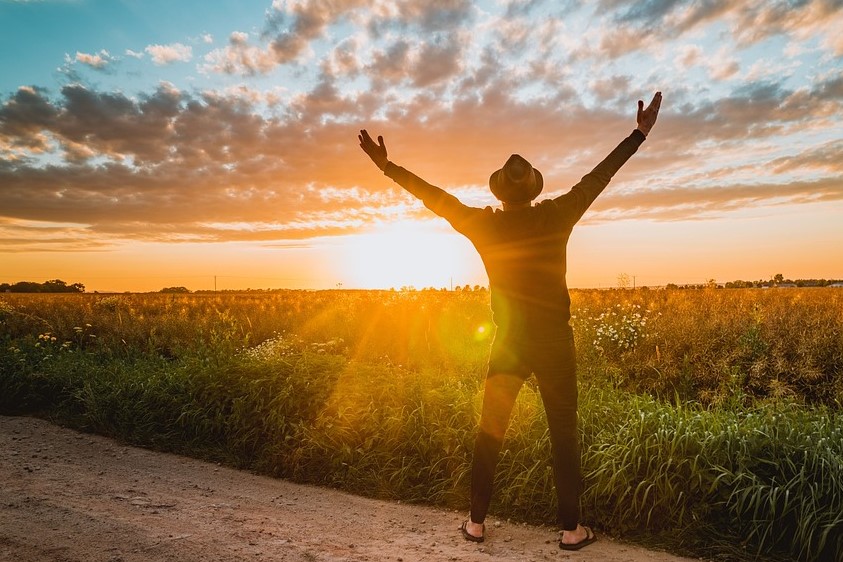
[582,195]
[437,200]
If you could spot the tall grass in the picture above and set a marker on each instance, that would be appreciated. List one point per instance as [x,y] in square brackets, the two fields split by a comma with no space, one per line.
[701,425]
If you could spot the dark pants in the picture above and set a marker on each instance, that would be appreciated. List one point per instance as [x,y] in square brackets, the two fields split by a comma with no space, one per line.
[554,364]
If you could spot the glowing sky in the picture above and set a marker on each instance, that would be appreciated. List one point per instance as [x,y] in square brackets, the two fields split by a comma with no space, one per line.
[152,143]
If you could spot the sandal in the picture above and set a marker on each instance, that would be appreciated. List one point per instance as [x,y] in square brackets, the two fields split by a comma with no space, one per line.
[469,537]
[590,537]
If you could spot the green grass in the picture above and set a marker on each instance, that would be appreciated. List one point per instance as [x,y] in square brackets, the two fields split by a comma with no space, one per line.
[685,442]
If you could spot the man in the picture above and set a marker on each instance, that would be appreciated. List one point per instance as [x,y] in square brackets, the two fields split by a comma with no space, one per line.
[523,250]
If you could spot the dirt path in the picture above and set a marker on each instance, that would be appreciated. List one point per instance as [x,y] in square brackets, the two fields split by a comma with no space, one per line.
[67,496]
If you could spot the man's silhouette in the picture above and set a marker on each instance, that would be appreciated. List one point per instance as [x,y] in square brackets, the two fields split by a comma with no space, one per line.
[523,250]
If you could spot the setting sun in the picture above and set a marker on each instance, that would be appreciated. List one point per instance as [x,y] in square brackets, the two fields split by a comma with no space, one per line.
[412,253]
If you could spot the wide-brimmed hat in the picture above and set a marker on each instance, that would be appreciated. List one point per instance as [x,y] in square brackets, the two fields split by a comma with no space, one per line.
[517,181]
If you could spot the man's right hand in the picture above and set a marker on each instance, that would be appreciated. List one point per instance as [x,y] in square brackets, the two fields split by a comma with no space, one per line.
[647,117]
[377,152]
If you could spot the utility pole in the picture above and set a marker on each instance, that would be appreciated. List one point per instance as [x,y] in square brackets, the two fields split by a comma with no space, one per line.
[215,283]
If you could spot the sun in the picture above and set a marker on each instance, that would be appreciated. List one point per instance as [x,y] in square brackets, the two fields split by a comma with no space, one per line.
[410,253]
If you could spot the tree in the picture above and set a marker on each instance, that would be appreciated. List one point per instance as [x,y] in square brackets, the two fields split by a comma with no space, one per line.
[26,287]
[175,290]
[51,286]
[54,286]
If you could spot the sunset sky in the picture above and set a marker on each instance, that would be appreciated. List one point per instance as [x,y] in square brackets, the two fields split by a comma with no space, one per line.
[153,143]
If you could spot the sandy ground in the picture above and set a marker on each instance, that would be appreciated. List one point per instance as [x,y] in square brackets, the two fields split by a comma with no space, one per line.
[67,496]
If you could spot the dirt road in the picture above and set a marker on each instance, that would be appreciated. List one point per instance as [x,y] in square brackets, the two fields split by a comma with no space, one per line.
[67,496]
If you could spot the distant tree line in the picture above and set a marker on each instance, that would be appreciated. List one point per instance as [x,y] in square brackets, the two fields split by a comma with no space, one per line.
[53,286]
[777,280]
[457,288]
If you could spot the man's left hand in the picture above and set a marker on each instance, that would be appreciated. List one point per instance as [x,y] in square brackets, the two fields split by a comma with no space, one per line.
[647,117]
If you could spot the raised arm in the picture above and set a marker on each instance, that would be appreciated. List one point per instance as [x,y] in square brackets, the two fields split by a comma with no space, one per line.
[437,200]
[574,203]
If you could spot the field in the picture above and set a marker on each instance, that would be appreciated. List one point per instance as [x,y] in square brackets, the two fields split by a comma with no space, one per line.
[710,419]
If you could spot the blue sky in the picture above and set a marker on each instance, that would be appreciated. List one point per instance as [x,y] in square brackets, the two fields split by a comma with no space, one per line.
[187,136]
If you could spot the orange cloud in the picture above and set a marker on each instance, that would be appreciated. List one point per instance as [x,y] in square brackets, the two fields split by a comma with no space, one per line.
[166,54]
[97,61]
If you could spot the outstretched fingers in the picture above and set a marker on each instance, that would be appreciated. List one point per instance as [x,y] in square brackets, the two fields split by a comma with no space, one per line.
[376,151]
[655,104]
[367,142]
[364,137]
[647,117]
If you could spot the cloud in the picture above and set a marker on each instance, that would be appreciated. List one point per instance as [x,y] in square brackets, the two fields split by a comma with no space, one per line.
[343,60]
[443,15]
[23,119]
[167,54]
[629,27]
[825,157]
[292,26]
[421,65]
[520,8]
[97,61]
[690,202]
[722,65]
[689,56]
[238,57]
[19,236]
[804,20]
[437,62]
[613,88]
[134,54]
[770,69]
[210,160]
[391,64]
